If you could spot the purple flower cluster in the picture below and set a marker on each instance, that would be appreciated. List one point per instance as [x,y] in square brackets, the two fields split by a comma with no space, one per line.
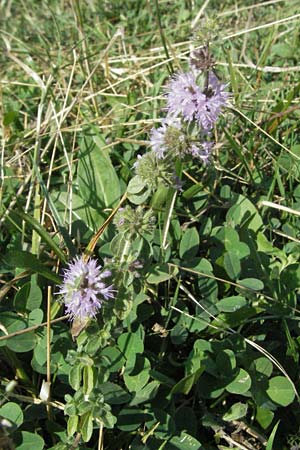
[188,103]
[83,288]
[186,99]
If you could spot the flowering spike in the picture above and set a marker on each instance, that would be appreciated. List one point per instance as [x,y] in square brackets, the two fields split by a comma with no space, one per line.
[83,289]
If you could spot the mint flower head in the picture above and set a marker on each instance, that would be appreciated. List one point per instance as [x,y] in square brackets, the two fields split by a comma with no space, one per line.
[83,289]
[187,99]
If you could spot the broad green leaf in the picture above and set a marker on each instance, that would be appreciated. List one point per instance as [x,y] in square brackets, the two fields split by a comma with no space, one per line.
[263,365]
[136,185]
[244,214]
[23,343]
[28,441]
[88,379]
[227,236]
[140,198]
[252,283]
[226,362]
[83,217]
[11,322]
[113,358]
[25,260]
[264,417]
[130,419]
[29,297]
[35,317]
[235,412]
[160,197]
[130,344]
[146,394]
[160,273]
[290,276]
[86,426]
[114,394]
[183,442]
[189,244]
[42,233]
[13,413]
[35,295]
[136,373]
[179,334]
[210,386]
[241,384]
[98,182]
[231,304]
[75,376]
[241,250]
[108,419]
[281,391]
[232,265]
[72,425]
[185,385]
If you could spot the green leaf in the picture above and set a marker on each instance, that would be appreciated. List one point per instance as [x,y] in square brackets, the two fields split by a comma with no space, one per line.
[290,276]
[29,297]
[113,358]
[185,385]
[160,273]
[264,417]
[141,197]
[135,185]
[42,233]
[281,391]
[75,376]
[72,425]
[86,426]
[28,441]
[83,218]
[263,365]
[13,413]
[183,442]
[88,379]
[231,304]
[189,244]
[130,419]
[25,260]
[97,179]
[35,295]
[146,394]
[232,265]
[226,362]
[136,373]
[241,384]
[114,394]
[23,343]
[244,214]
[130,344]
[235,412]
[272,437]
[35,317]
[252,283]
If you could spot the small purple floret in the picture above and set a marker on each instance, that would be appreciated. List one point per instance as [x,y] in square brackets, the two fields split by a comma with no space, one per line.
[209,110]
[83,289]
[183,96]
[202,151]
[157,141]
